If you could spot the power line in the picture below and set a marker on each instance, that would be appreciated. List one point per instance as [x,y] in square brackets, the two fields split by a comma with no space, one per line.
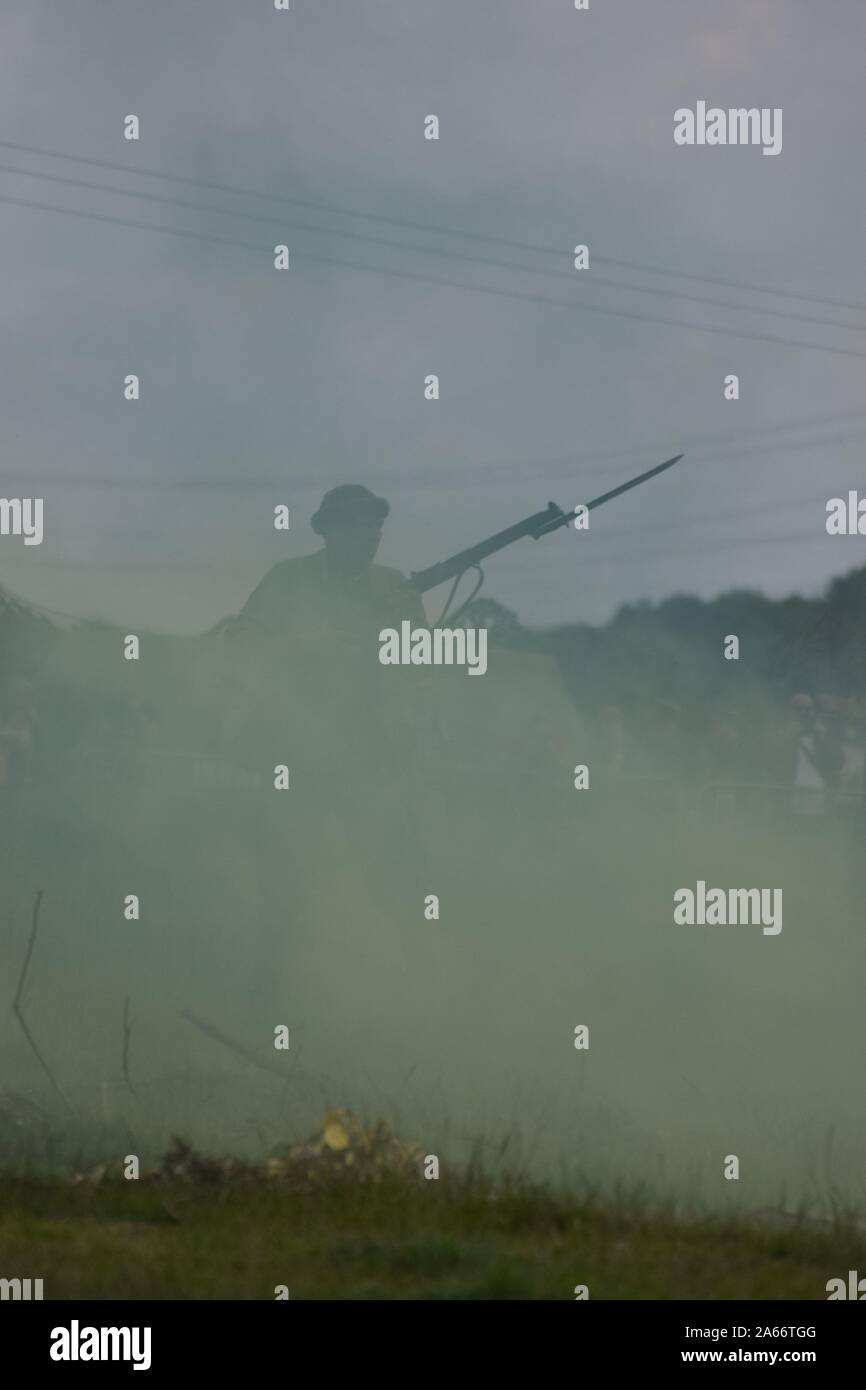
[695,445]
[685,521]
[596,551]
[695,441]
[773,447]
[730,543]
[592,280]
[179,566]
[697,452]
[711,518]
[647,552]
[698,449]
[596,541]
[525,296]
[410,225]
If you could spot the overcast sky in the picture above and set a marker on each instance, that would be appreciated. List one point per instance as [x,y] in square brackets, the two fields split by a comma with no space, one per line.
[261,387]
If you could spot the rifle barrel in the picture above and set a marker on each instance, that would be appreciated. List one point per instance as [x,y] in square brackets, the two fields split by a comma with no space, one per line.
[539,524]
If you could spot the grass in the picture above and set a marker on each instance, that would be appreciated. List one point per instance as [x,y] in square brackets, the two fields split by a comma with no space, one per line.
[456,1238]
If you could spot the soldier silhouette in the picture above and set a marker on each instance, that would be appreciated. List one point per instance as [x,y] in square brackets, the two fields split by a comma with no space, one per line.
[304,668]
[337,592]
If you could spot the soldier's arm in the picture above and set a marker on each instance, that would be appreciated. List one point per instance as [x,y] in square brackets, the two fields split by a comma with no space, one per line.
[399,599]
[412,606]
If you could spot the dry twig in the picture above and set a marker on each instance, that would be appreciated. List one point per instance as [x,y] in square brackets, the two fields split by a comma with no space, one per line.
[211,1031]
[16,1003]
[127,1031]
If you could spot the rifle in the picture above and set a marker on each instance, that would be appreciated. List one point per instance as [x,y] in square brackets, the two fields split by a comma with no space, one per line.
[537,525]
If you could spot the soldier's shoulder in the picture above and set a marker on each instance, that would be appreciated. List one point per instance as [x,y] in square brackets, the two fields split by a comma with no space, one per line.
[295,573]
[295,568]
[265,604]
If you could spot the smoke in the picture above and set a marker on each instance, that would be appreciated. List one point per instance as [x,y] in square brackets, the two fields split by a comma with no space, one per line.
[432,909]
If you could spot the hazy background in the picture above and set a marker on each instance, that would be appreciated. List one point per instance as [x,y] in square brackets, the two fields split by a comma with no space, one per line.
[259,387]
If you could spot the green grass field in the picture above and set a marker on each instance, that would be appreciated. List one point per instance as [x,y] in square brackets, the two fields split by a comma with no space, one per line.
[396,1239]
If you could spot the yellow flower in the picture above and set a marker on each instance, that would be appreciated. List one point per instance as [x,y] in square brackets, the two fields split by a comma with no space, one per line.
[334,1132]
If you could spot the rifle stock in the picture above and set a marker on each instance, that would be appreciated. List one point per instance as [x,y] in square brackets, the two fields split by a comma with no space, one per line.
[457,564]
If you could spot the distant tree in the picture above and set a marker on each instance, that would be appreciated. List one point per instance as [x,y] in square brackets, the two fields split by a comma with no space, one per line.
[502,624]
